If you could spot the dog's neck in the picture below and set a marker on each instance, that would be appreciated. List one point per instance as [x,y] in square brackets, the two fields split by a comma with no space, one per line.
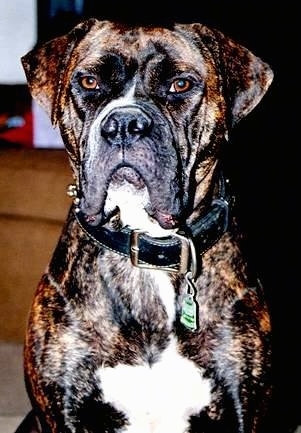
[166,252]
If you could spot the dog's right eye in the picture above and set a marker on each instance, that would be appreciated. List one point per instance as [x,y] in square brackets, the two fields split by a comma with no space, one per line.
[180,85]
[89,82]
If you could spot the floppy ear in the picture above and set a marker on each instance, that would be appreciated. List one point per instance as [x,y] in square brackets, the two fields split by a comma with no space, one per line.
[246,77]
[46,68]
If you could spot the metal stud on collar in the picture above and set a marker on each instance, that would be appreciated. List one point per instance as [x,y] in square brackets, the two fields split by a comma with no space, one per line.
[73,193]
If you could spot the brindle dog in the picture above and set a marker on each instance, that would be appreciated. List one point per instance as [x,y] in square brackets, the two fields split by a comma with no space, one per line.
[147,319]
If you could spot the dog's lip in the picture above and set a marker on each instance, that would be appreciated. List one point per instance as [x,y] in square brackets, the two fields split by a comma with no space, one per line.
[128,174]
[98,214]
[166,220]
[100,217]
[95,215]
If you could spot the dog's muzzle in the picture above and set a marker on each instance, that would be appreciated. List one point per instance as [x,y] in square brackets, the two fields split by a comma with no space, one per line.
[132,145]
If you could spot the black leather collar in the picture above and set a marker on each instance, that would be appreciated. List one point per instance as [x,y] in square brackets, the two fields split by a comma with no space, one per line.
[173,253]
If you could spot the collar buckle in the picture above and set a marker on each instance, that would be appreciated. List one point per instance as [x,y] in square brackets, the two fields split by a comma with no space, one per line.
[187,258]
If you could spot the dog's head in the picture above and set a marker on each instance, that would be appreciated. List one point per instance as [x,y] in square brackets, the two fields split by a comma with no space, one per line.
[143,113]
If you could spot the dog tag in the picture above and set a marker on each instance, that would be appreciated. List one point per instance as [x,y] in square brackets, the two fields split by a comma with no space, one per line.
[189,306]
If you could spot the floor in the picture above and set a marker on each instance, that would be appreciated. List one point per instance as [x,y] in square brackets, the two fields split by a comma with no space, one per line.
[14,403]
[12,409]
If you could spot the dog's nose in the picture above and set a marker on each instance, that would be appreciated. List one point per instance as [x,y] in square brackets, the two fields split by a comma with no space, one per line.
[125,126]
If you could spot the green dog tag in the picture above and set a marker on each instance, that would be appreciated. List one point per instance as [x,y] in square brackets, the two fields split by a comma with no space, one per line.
[189,312]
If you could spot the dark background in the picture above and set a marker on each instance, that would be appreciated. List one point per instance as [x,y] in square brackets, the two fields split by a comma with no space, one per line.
[264,158]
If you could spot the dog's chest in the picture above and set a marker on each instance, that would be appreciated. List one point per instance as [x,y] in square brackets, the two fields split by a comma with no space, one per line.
[156,398]
[160,395]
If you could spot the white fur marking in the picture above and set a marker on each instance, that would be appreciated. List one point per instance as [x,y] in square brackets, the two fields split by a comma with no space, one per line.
[157,399]
[132,213]
[123,101]
[131,203]
[166,292]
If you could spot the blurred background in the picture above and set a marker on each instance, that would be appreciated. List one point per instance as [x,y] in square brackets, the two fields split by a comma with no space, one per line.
[262,156]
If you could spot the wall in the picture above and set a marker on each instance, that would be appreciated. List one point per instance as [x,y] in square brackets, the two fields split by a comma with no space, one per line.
[33,208]
[18,34]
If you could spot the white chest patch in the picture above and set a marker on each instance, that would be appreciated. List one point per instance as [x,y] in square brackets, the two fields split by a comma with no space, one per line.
[166,292]
[160,398]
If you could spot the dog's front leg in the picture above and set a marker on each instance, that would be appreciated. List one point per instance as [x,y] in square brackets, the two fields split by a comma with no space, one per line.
[243,362]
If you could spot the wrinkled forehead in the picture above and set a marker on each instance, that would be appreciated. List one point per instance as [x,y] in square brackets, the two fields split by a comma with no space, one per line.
[141,46]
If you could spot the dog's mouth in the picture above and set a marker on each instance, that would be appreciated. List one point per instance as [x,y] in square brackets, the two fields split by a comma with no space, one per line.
[135,200]
[130,175]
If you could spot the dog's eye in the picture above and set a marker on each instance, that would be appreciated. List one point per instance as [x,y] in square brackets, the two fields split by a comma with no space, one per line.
[180,85]
[89,82]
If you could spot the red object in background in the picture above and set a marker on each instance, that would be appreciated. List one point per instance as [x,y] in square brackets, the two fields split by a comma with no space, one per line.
[16,117]
[20,135]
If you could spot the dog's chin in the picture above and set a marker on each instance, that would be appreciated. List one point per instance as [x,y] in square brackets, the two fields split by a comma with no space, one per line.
[133,209]
[128,203]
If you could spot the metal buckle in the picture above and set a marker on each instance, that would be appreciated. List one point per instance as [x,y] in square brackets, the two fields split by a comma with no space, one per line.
[188,260]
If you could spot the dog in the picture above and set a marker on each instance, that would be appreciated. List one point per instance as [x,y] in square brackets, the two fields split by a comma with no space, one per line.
[148,317]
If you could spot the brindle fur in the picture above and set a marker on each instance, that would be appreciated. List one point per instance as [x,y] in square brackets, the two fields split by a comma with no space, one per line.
[92,308]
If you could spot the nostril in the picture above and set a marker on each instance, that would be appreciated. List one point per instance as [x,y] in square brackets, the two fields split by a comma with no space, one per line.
[125,126]
[110,128]
[138,126]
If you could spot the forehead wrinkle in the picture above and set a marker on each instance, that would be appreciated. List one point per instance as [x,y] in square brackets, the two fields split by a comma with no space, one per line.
[142,43]
[174,44]
[157,56]
[105,39]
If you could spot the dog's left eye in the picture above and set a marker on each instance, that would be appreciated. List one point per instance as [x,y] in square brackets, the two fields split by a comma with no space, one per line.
[180,85]
[89,82]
